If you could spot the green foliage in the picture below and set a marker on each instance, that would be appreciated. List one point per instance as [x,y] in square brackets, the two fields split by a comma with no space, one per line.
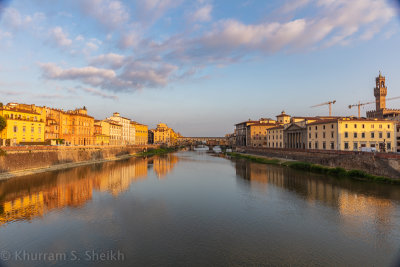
[159,151]
[3,123]
[254,158]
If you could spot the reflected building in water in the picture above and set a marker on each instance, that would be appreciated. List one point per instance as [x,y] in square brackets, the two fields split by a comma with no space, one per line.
[25,198]
[164,164]
[345,196]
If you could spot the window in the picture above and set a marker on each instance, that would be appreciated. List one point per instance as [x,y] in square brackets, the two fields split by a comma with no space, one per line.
[388,135]
[346,145]
[380,126]
[355,146]
[316,135]
[309,145]
[332,145]
[372,135]
[345,126]
[388,126]
[324,145]
[23,129]
[32,129]
[316,127]
[331,126]
[323,134]
[309,135]
[355,125]
[373,126]
[389,146]
[316,145]
[346,134]
[309,128]
[363,126]
[355,135]
[362,135]
[332,134]
[15,129]
[323,127]
[380,135]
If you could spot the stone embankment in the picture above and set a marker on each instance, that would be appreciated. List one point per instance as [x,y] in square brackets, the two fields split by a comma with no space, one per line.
[17,161]
[380,164]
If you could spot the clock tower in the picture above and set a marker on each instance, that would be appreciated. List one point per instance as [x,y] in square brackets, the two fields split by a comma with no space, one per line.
[380,92]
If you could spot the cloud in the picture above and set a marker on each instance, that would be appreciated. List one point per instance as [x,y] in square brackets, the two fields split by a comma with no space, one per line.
[97,92]
[291,6]
[202,14]
[135,75]
[15,20]
[149,11]
[150,62]
[115,61]
[89,75]
[59,37]
[110,13]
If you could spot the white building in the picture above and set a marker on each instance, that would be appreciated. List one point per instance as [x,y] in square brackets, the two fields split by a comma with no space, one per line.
[132,134]
[126,128]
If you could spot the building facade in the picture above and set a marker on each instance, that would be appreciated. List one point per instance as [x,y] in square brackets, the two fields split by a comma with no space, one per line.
[352,134]
[275,137]
[132,134]
[23,126]
[126,127]
[257,134]
[164,135]
[141,134]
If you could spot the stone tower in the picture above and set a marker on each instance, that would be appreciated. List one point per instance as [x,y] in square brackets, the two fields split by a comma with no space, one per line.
[380,92]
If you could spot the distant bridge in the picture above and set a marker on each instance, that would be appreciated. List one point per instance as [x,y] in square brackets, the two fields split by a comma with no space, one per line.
[211,141]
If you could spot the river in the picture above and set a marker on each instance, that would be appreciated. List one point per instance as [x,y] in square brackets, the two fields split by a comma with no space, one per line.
[193,208]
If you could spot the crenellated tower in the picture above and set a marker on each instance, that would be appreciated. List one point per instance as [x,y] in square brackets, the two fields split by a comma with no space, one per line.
[380,92]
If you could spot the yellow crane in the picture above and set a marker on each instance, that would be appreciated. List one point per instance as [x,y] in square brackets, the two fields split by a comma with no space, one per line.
[359,105]
[326,103]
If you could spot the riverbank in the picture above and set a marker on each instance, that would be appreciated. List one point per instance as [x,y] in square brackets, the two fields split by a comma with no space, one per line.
[316,168]
[157,151]
[378,164]
[21,162]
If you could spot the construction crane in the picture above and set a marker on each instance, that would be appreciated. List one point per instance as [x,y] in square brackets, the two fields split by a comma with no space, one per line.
[326,103]
[359,105]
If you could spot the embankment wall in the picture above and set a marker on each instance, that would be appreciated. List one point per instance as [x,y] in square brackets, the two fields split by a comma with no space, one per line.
[381,164]
[23,158]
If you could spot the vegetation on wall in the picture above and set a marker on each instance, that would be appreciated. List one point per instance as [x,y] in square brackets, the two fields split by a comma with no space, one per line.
[315,168]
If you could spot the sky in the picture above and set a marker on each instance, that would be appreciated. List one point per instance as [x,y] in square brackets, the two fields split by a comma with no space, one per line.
[200,65]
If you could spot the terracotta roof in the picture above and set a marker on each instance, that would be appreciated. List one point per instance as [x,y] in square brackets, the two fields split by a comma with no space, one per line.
[276,127]
[19,110]
[348,119]
[250,121]
[262,124]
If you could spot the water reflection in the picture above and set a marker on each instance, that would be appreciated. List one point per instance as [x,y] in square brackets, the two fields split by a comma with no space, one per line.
[25,198]
[360,204]
[162,165]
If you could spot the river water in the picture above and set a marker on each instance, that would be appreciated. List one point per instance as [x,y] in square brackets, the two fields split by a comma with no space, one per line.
[192,208]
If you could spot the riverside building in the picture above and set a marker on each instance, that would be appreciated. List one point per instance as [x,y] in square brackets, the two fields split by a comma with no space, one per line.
[352,134]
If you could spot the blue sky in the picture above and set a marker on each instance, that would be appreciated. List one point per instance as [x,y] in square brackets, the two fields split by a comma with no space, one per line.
[200,66]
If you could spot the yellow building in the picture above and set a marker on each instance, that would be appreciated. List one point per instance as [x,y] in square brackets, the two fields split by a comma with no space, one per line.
[22,126]
[141,133]
[283,118]
[256,135]
[77,127]
[275,137]
[164,135]
[100,138]
[352,134]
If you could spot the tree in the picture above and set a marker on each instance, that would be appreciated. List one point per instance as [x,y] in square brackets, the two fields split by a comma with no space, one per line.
[3,123]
